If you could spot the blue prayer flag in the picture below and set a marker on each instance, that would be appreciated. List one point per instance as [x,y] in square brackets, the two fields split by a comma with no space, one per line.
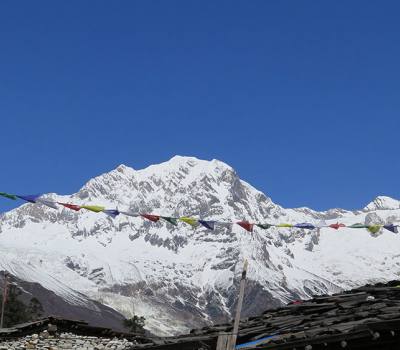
[305,225]
[29,198]
[208,224]
[111,212]
[391,228]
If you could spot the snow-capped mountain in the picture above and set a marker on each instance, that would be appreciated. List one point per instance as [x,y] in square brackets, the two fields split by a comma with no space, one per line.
[180,277]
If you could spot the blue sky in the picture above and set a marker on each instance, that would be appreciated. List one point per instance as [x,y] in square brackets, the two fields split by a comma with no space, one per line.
[300,97]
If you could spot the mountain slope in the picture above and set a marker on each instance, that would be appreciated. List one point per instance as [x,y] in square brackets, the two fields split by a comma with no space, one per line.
[179,277]
[91,311]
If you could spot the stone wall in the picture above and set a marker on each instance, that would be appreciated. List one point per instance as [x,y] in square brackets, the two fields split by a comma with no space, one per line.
[65,341]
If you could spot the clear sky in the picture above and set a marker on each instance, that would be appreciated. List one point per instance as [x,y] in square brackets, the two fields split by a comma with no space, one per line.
[302,98]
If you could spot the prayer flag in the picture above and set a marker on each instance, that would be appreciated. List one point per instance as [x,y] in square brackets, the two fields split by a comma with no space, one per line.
[208,224]
[111,212]
[358,225]
[70,206]
[94,208]
[264,226]
[246,225]
[284,225]
[31,198]
[190,221]
[305,225]
[172,221]
[337,226]
[374,228]
[9,196]
[391,228]
[150,217]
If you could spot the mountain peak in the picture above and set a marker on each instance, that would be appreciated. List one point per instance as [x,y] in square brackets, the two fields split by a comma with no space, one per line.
[184,159]
[174,177]
[178,160]
[383,202]
[187,165]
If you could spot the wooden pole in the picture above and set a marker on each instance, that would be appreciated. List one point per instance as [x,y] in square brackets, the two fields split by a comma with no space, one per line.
[3,304]
[232,342]
[223,341]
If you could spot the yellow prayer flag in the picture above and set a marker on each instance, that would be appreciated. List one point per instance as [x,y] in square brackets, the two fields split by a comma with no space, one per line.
[374,228]
[284,225]
[95,208]
[190,221]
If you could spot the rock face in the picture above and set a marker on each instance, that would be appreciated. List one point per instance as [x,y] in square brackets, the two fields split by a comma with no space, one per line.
[89,310]
[181,278]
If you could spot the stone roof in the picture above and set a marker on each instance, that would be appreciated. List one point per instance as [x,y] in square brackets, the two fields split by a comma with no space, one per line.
[66,326]
[364,318]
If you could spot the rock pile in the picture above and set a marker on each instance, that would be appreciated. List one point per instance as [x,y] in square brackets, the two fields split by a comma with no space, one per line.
[65,341]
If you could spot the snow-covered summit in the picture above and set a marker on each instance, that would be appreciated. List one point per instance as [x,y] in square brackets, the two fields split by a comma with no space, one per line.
[179,277]
[383,202]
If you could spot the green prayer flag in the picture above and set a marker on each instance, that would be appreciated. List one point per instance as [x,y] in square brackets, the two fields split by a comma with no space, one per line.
[358,225]
[172,221]
[374,228]
[9,196]
[95,208]
[264,226]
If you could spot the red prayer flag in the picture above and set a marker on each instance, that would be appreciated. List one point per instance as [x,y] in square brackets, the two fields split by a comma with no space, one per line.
[246,225]
[337,226]
[71,206]
[150,217]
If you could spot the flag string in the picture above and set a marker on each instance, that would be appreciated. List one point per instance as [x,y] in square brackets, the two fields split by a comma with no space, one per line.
[194,222]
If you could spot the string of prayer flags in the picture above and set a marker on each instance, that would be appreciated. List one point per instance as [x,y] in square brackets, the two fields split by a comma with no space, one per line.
[337,226]
[172,221]
[9,196]
[70,206]
[374,228]
[94,208]
[190,221]
[246,225]
[207,224]
[31,198]
[150,217]
[111,212]
[391,228]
